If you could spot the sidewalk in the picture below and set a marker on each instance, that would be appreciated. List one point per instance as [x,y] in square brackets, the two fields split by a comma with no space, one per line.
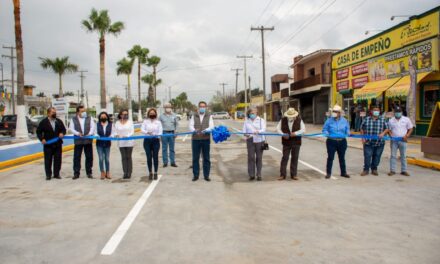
[414,153]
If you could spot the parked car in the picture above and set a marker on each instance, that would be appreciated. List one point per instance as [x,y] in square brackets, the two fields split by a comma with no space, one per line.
[9,123]
[240,115]
[36,119]
[220,115]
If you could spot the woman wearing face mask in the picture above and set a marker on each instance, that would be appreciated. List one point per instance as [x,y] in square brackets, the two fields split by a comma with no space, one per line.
[104,128]
[337,129]
[252,127]
[152,127]
[124,128]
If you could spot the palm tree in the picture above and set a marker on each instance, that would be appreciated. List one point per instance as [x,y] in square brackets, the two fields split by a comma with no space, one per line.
[99,21]
[59,66]
[21,129]
[125,66]
[139,53]
[154,61]
[152,82]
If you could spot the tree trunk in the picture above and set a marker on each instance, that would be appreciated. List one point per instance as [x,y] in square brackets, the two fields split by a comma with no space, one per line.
[150,96]
[60,92]
[139,82]
[102,72]
[154,83]
[130,111]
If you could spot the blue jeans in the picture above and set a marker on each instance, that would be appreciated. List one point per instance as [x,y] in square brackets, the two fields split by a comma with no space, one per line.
[372,154]
[201,146]
[168,142]
[401,146]
[333,146]
[358,122]
[104,158]
[152,146]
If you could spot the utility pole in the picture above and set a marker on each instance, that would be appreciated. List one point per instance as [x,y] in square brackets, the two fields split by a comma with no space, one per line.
[82,85]
[244,57]
[262,29]
[77,101]
[11,57]
[169,94]
[250,86]
[3,80]
[236,79]
[87,99]
[223,84]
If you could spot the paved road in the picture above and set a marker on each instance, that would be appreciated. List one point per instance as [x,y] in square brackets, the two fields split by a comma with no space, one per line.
[229,220]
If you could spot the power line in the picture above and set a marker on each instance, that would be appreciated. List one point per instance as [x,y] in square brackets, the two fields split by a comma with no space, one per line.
[236,79]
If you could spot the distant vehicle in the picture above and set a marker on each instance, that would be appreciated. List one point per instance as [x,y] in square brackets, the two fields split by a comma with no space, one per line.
[220,115]
[240,115]
[9,123]
[36,119]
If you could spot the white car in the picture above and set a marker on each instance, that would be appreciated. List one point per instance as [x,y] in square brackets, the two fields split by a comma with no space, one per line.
[220,115]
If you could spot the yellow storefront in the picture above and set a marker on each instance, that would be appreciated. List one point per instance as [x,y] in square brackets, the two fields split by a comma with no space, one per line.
[382,69]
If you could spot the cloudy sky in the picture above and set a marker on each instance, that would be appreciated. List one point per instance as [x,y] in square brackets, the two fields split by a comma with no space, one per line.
[197,40]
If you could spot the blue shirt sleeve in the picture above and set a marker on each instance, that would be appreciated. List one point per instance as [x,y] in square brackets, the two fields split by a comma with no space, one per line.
[325,129]
[347,128]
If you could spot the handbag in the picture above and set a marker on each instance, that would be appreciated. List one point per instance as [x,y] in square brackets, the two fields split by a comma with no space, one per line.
[265,145]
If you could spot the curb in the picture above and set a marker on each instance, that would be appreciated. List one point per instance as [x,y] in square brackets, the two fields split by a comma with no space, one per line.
[424,163]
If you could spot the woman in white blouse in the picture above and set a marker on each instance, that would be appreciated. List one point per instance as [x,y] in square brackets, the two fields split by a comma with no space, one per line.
[252,127]
[152,127]
[124,128]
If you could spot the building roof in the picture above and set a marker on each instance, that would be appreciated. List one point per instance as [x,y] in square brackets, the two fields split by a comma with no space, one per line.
[314,55]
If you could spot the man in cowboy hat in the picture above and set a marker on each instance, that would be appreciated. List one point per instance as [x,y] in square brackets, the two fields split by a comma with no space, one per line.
[293,127]
[336,128]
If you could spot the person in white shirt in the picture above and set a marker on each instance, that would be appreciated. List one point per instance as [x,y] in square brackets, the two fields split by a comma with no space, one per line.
[293,126]
[82,125]
[124,128]
[201,124]
[152,127]
[252,127]
[399,126]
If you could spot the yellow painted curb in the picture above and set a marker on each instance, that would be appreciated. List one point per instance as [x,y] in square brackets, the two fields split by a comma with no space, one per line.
[424,163]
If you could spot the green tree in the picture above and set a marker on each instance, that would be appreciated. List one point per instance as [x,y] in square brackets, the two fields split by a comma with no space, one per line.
[100,22]
[125,66]
[152,82]
[140,54]
[59,66]
[153,62]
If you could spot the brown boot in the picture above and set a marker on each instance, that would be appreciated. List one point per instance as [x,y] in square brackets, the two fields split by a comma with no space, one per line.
[294,178]
[281,178]
[364,173]
[375,173]
[107,175]
[102,175]
[405,173]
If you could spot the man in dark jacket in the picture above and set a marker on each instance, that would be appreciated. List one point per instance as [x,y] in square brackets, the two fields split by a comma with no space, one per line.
[50,128]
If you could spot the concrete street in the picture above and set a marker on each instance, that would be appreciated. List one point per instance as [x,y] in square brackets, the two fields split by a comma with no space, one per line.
[228,220]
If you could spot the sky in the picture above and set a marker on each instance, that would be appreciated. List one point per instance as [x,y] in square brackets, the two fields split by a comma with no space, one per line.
[197,40]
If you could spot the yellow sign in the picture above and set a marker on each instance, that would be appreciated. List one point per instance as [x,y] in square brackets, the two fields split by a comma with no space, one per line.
[414,31]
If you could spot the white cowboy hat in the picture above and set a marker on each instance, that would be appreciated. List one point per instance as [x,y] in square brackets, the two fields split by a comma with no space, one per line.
[336,108]
[291,113]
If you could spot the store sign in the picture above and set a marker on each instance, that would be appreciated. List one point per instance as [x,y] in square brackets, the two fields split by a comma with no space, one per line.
[342,85]
[342,74]
[359,69]
[359,82]
[414,31]
[61,105]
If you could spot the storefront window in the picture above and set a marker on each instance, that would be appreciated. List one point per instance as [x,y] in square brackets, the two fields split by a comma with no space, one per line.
[430,97]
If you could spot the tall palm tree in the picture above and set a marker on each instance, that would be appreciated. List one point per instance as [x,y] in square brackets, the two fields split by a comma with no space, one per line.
[125,66]
[99,21]
[152,82]
[139,53]
[153,62]
[59,66]
[21,129]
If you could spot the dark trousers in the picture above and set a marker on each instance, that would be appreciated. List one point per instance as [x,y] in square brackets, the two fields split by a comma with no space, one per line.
[372,156]
[52,154]
[127,161]
[255,157]
[336,146]
[288,150]
[152,146]
[77,153]
[203,147]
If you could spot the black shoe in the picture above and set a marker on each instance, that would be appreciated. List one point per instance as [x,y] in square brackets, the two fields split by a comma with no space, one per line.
[155,176]
[251,178]
[327,176]
[150,176]
[345,176]
[174,165]
[90,176]
[165,165]
[207,179]
[48,178]
[258,178]
[57,177]
[195,179]
[75,177]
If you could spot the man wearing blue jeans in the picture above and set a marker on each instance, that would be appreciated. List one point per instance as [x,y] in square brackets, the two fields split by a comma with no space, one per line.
[400,126]
[376,127]
[169,125]
[201,124]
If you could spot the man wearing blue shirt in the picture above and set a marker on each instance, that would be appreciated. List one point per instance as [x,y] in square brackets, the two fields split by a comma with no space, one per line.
[337,129]
[169,125]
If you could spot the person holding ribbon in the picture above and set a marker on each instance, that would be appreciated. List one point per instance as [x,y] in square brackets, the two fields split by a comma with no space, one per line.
[201,124]
[169,125]
[82,125]
[51,128]
[337,129]
[292,127]
[400,126]
[124,128]
[252,127]
[152,127]
[374,128]
[104,128]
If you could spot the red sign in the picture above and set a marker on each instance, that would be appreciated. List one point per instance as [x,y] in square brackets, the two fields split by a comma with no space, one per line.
[359,69]
[342,74]
[342,85]
[359,82]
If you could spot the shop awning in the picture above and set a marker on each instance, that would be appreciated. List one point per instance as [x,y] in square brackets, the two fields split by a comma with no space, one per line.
[401,88]
[373,89]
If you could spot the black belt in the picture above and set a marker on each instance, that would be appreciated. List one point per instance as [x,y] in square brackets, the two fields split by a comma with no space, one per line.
[169,131]
[337,139]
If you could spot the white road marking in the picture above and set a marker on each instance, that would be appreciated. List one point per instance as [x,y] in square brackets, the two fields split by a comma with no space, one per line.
[184,138]
[119,234]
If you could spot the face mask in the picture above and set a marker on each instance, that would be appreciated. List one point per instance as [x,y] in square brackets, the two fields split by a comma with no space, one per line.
[202,110]
[376,113]
[153,116]
[168,110]
[334,115]
[398,115]
[252,116]
[54,115]
[84,114]
[103,120]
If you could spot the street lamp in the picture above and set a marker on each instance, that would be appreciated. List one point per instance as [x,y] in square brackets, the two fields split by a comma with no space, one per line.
[393,17]
[373,30]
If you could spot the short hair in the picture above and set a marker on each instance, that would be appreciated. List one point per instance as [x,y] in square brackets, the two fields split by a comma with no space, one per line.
[250,109]
[79,107]
[50,109]
[151,110]
[202,102]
